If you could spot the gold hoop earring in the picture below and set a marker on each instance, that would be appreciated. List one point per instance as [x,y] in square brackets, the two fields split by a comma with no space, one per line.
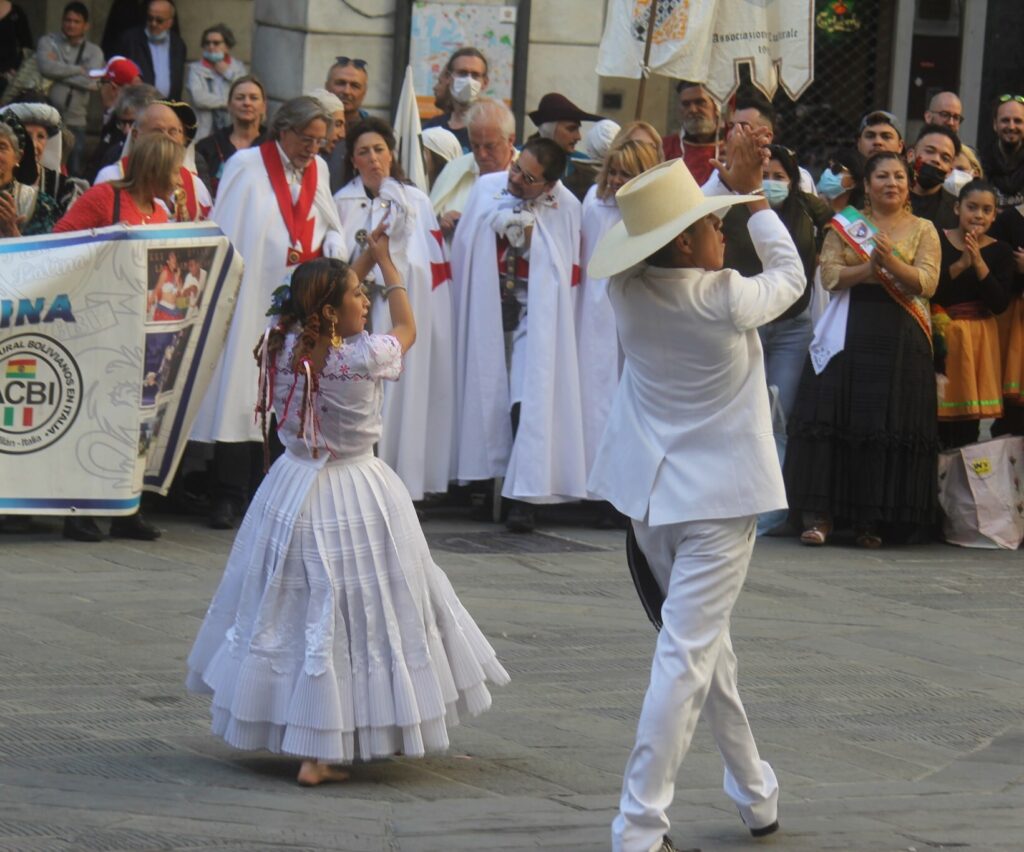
[335,339]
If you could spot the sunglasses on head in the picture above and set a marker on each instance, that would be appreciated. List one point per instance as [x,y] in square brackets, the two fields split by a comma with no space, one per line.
[1005,98]
[347,60]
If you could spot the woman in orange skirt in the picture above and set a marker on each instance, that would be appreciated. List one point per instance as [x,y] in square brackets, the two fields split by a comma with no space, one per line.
[974,286]
[1009,227]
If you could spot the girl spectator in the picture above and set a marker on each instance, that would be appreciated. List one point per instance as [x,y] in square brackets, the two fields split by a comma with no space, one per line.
[974,286]
[1009,227]
[862,439]
[247,106]
[334,636]
[209,80]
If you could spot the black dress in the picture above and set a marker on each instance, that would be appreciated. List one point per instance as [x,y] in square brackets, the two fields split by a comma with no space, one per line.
[862,436]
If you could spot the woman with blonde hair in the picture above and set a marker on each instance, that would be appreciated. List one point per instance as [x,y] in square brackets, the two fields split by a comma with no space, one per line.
[151,173]
[640,131]
[596,342]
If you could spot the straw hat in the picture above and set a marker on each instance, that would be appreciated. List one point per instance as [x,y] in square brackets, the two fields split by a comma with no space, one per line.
[656,206]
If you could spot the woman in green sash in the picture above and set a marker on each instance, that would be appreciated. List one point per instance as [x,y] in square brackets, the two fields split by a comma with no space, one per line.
[862,438]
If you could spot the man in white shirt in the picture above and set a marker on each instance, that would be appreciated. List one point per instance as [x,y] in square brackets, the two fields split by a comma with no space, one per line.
[688,455]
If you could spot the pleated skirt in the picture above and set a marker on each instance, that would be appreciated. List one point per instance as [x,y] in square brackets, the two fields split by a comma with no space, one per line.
[863,442]
[1011,344]
[973,387]
[333,634]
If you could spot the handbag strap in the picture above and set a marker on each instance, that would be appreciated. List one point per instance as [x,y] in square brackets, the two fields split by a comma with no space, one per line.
[78,61]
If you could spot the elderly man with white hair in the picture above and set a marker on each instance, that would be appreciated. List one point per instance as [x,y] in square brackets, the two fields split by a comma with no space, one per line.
[176,121]
[492,141]
[333,153]
[274,203]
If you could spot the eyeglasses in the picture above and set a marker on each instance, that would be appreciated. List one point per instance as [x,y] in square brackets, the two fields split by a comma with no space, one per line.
[156,19]
[124,123]
[310,141]
[528,179]
[344,61]
[463,73]
[1018,98]
[950,116]
[210,42]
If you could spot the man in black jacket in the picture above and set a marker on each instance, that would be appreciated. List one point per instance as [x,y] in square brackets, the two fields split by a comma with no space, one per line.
[1004,160]
[157,49]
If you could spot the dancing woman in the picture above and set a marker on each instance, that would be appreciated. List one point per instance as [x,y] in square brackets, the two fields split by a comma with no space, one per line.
[333,635]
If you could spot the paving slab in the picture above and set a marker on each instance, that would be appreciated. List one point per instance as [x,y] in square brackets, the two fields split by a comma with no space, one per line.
[886,688]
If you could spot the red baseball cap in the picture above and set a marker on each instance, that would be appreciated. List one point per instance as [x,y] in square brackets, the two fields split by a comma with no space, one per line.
[120,71]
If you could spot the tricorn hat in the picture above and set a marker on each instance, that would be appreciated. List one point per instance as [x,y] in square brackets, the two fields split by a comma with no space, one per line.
[556,107]
[656,206]
[186,115]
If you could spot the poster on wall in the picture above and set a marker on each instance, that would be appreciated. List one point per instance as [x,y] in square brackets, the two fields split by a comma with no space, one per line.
[108,340]
[439,29]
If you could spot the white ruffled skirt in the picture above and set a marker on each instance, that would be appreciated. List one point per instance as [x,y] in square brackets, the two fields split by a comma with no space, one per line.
[333,635]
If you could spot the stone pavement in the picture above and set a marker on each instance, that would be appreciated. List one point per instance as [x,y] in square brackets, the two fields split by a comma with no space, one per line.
[885,687]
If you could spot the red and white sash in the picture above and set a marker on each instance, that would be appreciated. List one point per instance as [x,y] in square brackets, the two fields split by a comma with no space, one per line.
[297,221]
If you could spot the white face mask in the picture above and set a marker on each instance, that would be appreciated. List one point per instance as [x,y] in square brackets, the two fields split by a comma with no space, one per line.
[955,181]
[465,90]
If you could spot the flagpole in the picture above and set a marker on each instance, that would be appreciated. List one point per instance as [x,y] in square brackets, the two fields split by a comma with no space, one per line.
[651,19]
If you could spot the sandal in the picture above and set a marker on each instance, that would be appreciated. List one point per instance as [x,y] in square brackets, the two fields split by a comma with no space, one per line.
[868,539]
[817,529]
[815,536]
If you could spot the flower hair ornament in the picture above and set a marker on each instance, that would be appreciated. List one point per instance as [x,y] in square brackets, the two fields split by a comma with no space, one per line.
[281,302]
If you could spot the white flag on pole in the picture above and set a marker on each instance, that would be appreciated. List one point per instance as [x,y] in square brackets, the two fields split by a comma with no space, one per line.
[707,41]
[407,132]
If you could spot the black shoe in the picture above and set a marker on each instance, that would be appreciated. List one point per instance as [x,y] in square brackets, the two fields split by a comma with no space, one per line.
[764,832]
[81,528]
[223,515]
[134,526]
[521,518]
[666,846]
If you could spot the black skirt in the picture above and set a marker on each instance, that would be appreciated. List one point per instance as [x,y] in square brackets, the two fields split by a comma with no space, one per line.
[862,437]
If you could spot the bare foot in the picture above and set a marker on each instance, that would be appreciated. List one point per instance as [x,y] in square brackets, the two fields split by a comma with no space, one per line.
[313,772]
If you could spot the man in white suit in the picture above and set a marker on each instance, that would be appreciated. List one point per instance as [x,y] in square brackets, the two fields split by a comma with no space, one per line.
[688,455]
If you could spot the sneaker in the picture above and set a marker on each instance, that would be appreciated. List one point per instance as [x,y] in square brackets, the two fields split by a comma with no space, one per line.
[666,846]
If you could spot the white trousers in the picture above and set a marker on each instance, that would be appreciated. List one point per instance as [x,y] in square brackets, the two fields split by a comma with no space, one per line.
[701,566]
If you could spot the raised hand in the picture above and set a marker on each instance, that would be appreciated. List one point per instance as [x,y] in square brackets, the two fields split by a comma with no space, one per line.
[9,221]
[745,158]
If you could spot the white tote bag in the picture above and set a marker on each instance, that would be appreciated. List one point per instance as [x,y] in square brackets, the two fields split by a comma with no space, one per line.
[981,494]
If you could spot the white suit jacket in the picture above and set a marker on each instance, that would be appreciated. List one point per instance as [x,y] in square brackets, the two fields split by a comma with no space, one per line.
[689,436]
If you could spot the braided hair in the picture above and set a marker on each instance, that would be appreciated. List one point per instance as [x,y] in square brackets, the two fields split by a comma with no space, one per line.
[314,284]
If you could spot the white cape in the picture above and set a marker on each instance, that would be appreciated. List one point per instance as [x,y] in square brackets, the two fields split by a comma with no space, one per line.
[419,410]
[545,463]
[597,340]
[454,183]
[247,212]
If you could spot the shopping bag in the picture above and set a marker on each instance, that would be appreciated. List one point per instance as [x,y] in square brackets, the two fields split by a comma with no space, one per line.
[981,495]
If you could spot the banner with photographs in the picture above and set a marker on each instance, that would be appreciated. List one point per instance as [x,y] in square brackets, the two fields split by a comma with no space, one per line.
[108,340]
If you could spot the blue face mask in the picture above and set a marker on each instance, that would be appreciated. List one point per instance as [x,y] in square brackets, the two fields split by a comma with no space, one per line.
[775,191]
[159,38]
[830,185]
[210,56]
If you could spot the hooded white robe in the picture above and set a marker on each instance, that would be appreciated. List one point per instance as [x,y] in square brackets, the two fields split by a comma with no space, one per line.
[419,410]
[545,463]
[247,212]
[597,340]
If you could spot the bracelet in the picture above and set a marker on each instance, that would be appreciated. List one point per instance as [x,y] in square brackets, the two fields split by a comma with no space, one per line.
[758,191]
[389,290]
